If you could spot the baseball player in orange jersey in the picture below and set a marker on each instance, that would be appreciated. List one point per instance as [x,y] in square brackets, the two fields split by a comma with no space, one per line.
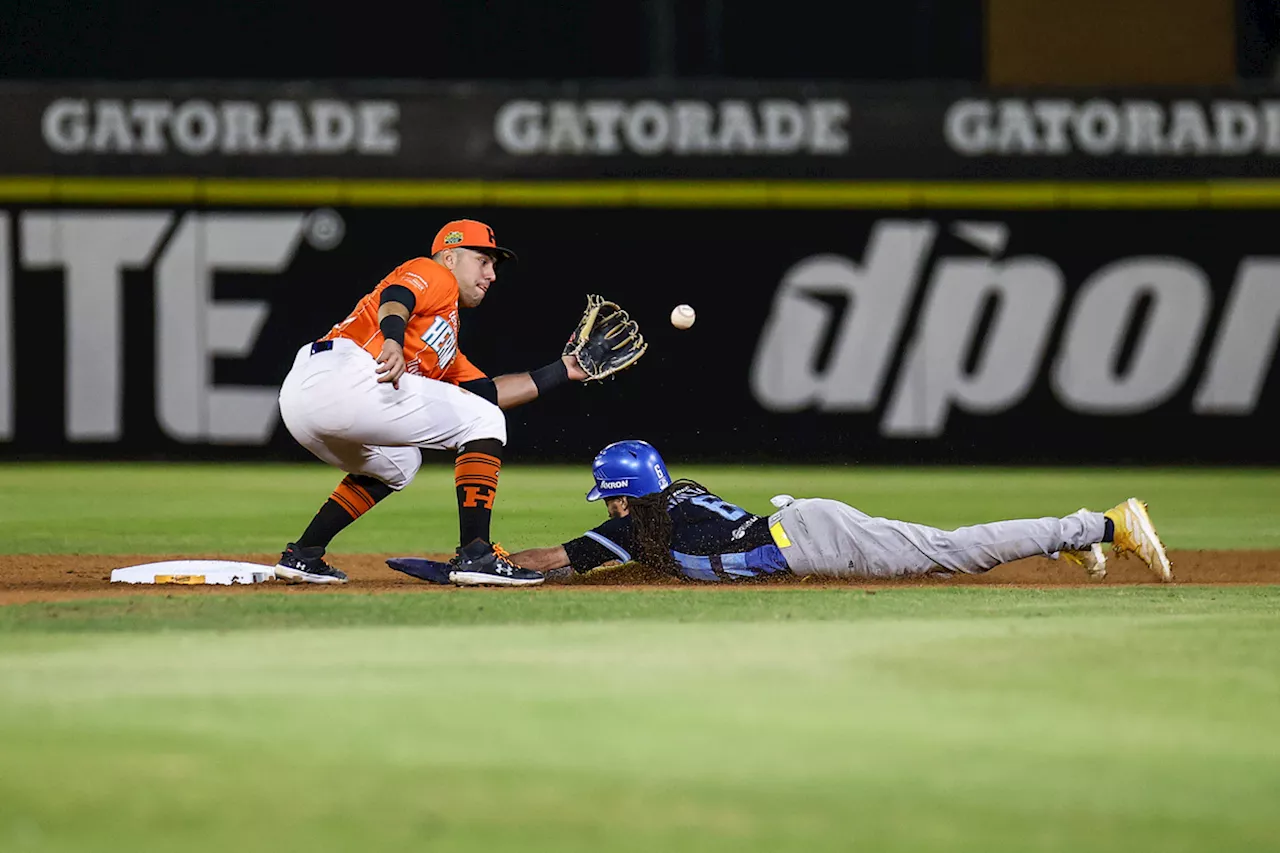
[389,380]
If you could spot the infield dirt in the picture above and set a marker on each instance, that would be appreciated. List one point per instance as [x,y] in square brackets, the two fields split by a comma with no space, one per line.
[60,577]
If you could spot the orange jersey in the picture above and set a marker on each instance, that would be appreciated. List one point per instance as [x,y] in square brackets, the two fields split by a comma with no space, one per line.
[431,335]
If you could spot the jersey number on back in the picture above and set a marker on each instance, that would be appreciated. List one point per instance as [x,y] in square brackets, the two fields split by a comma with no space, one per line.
[440,338]
[719,507]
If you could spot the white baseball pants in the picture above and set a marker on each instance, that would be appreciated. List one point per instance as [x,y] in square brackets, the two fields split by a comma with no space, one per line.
[333,405]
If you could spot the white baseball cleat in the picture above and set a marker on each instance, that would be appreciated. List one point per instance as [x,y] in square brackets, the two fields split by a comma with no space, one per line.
[1135,534]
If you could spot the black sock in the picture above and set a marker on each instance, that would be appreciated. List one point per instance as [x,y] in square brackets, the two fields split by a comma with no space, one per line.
[1108,530]
[475,476]
[355,496]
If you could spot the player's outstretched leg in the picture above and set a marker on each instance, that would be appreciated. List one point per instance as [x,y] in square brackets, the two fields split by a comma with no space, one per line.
[1135,534]
[303,561]
[1092,559]
[833,539]
[479,562]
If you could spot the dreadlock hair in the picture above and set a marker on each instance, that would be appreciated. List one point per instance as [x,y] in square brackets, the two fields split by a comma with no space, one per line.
[651,524]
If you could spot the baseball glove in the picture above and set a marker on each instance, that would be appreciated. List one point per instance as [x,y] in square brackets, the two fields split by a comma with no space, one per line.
[607,339]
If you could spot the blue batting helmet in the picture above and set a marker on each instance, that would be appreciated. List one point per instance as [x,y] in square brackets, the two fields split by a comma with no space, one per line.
[631,468]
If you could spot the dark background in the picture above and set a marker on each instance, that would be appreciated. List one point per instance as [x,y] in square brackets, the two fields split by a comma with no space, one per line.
[705,411]
[690,394]
[522,39]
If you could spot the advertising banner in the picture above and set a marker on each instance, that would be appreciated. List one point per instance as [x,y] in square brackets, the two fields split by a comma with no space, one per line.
[1086,337]
[634,130]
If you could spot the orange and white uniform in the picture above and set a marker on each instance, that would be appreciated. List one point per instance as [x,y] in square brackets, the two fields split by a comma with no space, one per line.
[334,406]
[431,336]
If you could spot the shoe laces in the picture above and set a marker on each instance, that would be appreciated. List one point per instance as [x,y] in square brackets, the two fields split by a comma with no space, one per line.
[503,554]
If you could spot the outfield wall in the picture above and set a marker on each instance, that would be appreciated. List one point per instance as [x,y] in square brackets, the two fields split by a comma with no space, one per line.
[990,296]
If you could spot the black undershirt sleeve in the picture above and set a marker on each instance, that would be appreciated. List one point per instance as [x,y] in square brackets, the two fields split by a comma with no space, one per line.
[482,387]
[398,293]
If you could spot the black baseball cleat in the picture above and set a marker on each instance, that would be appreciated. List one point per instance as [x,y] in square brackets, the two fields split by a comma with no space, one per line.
[307,565]
[482,564]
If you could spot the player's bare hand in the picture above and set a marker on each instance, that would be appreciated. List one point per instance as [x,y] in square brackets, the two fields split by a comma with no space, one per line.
[391,364]
[576,373]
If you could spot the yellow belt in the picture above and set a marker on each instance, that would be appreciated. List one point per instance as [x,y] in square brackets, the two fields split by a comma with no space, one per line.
[779,535]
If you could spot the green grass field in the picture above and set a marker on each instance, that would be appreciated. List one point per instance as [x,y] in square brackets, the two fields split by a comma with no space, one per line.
[685,718]
[159,508]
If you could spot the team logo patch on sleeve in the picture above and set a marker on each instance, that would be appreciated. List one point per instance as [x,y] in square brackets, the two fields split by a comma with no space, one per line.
[452,238]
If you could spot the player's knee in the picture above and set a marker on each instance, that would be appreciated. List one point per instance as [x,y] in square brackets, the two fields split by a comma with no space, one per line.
[490,422]
[398,483]
[404,469]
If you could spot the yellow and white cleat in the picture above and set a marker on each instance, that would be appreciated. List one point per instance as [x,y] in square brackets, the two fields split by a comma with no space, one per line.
[1135,534]
[1093,560]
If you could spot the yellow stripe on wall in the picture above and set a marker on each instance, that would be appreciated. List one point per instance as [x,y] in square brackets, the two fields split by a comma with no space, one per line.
[1040,195]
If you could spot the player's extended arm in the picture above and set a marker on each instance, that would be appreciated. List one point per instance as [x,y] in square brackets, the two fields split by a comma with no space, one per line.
[541,559]
[515,389]
[606,340]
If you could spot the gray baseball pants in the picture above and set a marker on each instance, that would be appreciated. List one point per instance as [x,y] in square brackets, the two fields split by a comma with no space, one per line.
[832,539]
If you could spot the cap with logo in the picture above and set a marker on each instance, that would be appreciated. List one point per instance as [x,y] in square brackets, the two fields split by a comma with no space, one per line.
[469,234]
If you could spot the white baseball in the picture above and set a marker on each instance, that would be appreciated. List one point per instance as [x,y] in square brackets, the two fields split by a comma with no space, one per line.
[682,316]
